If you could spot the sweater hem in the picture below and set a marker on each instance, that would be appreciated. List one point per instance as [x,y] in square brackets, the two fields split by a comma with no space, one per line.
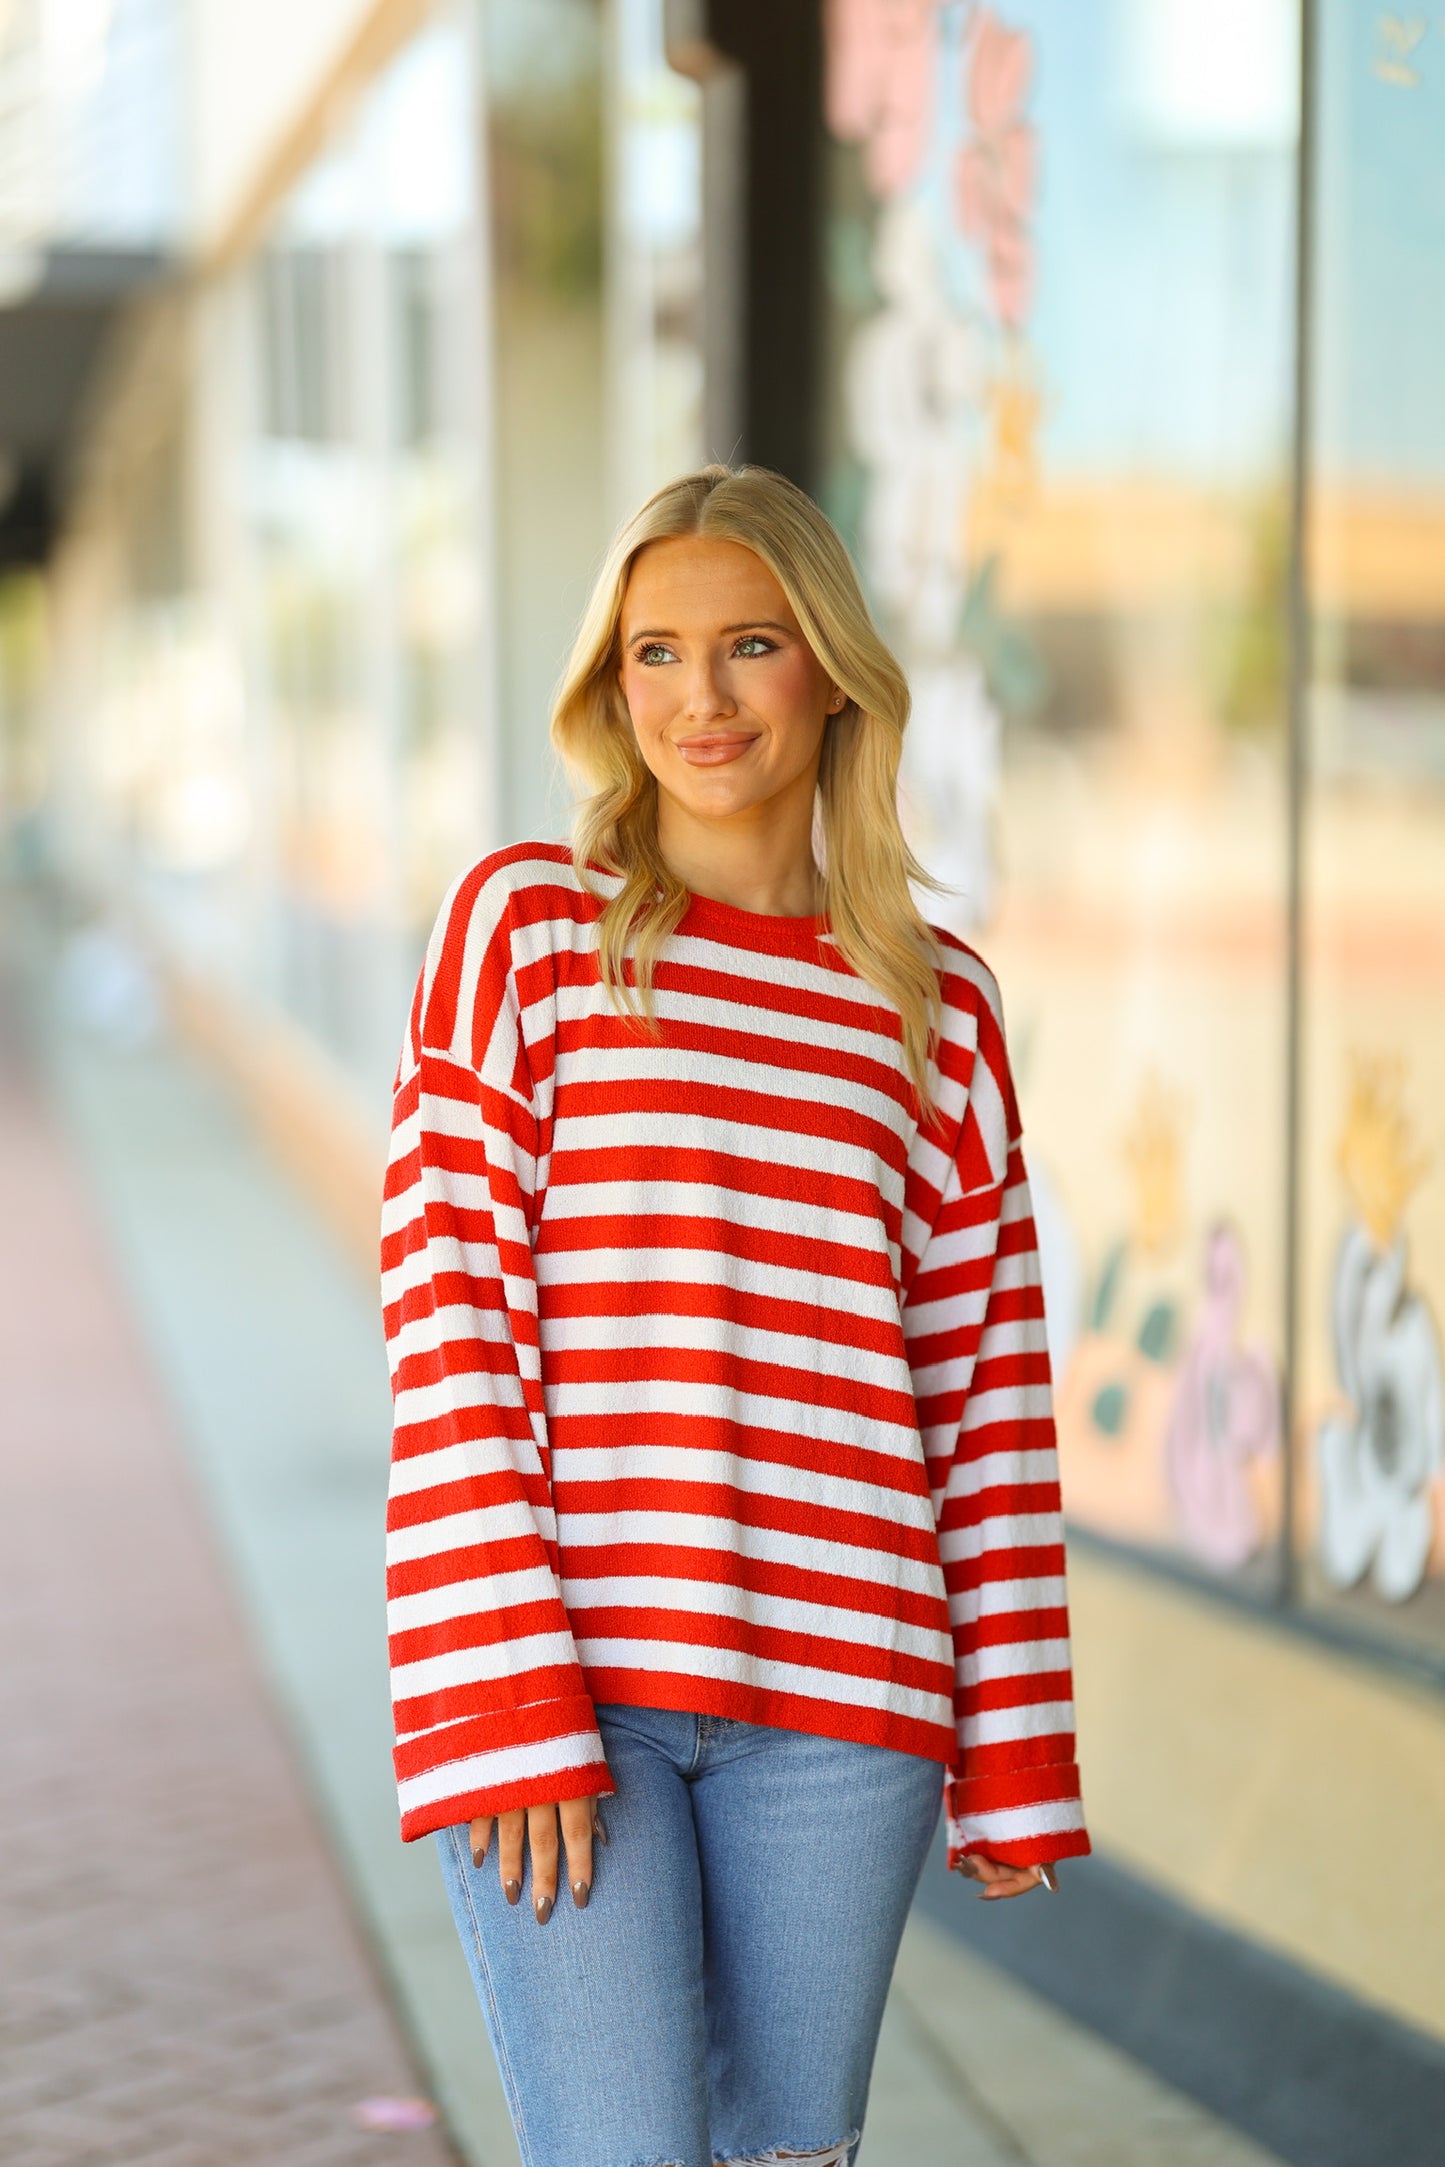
[683,1695]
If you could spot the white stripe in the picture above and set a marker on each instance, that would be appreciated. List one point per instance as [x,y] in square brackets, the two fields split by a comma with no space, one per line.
[714,1200]
[808,1353]
[473,1459]
[1010,1824]
[1007,1403]
[469,1598]
[803,1553]
[961,1245]
[495,1659]
[458,1530]
[453,1324]
[1003,1531]
[1005,1726]
[993,1470]
[685,1464]
[508,1764]
[739,1668]
[684,1397]
[1002,1598]
[723,1139]
[761,1071]
[1014,1659]
[462,1388]
[780,1613]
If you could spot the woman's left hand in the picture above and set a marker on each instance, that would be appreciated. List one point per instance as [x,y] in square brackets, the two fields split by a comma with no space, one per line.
[1000,1880]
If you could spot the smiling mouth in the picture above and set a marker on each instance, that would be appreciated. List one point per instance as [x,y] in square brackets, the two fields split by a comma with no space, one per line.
[716,748]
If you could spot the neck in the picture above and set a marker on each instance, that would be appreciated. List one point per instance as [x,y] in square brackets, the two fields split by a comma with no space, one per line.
[759,861]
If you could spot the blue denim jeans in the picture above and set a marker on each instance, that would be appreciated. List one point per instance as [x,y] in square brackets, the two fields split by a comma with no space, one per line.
[720,1996]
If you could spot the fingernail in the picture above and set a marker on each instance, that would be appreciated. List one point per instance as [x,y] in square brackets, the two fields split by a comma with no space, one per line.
[513,1891]
[581,1890]
[543,1909]
[597,1829]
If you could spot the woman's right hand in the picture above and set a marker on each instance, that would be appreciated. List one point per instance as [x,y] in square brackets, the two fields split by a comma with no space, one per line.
[579,1818]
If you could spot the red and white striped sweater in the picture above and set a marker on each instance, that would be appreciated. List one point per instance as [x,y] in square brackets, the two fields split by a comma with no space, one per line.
[719,1386]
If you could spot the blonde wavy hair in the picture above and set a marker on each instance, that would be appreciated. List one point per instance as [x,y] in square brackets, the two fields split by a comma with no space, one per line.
[866,864]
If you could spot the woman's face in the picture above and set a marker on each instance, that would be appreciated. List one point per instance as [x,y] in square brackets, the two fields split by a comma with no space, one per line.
[727,698]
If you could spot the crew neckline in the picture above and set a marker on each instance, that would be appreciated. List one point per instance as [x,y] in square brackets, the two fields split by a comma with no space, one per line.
[706,913]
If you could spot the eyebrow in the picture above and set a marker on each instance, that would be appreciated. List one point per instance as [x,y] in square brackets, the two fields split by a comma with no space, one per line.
[749,624]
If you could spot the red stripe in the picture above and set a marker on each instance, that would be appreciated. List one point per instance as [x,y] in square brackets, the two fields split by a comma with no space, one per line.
[767,1643]
[527,1723]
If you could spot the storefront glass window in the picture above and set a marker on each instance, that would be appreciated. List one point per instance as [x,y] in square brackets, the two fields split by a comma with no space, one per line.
[364,531]
[1372,1401]
[654,260]
[544,69]
[1060,269]
[418,134]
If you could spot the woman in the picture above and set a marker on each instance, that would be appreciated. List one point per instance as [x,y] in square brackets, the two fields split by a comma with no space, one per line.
[724,1483]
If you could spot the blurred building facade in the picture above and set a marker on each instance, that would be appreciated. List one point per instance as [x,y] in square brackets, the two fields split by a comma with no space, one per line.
[1117,360]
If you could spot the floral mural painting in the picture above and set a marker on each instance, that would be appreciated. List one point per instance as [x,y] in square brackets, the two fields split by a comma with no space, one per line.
[1168,1417]
[938,386]
[1225,1417]
[1379,1458]
[996,169]
[880,84]
[915,382]
[1117,1396]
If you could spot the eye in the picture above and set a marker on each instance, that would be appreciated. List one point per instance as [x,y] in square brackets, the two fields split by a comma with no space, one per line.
[754,643]
[652,652]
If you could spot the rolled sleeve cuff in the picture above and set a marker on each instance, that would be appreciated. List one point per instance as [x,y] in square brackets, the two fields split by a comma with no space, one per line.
[1024,1817]
[550,1751]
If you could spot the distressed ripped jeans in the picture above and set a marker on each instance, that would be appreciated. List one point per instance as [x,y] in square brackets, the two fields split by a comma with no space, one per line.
[719,1999]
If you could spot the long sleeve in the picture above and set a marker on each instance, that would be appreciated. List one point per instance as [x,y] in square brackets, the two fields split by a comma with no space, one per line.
[491,1708]
[979,1356]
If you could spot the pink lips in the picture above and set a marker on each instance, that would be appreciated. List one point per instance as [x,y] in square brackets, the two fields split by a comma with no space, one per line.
[716,748]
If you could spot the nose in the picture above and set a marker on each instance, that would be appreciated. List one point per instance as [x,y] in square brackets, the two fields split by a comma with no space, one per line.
[707,696]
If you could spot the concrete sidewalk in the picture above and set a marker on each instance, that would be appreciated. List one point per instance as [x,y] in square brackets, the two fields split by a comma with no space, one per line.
[267,1346]
[183,1981]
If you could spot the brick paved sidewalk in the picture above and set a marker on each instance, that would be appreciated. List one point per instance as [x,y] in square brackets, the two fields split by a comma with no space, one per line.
[182,1984]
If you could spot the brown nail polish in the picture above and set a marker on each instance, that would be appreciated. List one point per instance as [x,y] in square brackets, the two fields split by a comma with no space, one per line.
[597,1828]
[543,1909]
[512,1891]
[581,1890]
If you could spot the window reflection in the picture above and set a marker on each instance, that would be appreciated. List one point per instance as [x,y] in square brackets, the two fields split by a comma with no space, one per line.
[362,502]
[1060,269]
[544,71]
[1372,1456]
[654,269]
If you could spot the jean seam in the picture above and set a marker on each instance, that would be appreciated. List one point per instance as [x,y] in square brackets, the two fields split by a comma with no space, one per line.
[504,2060]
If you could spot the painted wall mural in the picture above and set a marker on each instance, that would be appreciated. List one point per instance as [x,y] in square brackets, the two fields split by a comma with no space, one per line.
[1380,1456]
[1058,426]
[1224,1423]
[938,382]
[1169,1420]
